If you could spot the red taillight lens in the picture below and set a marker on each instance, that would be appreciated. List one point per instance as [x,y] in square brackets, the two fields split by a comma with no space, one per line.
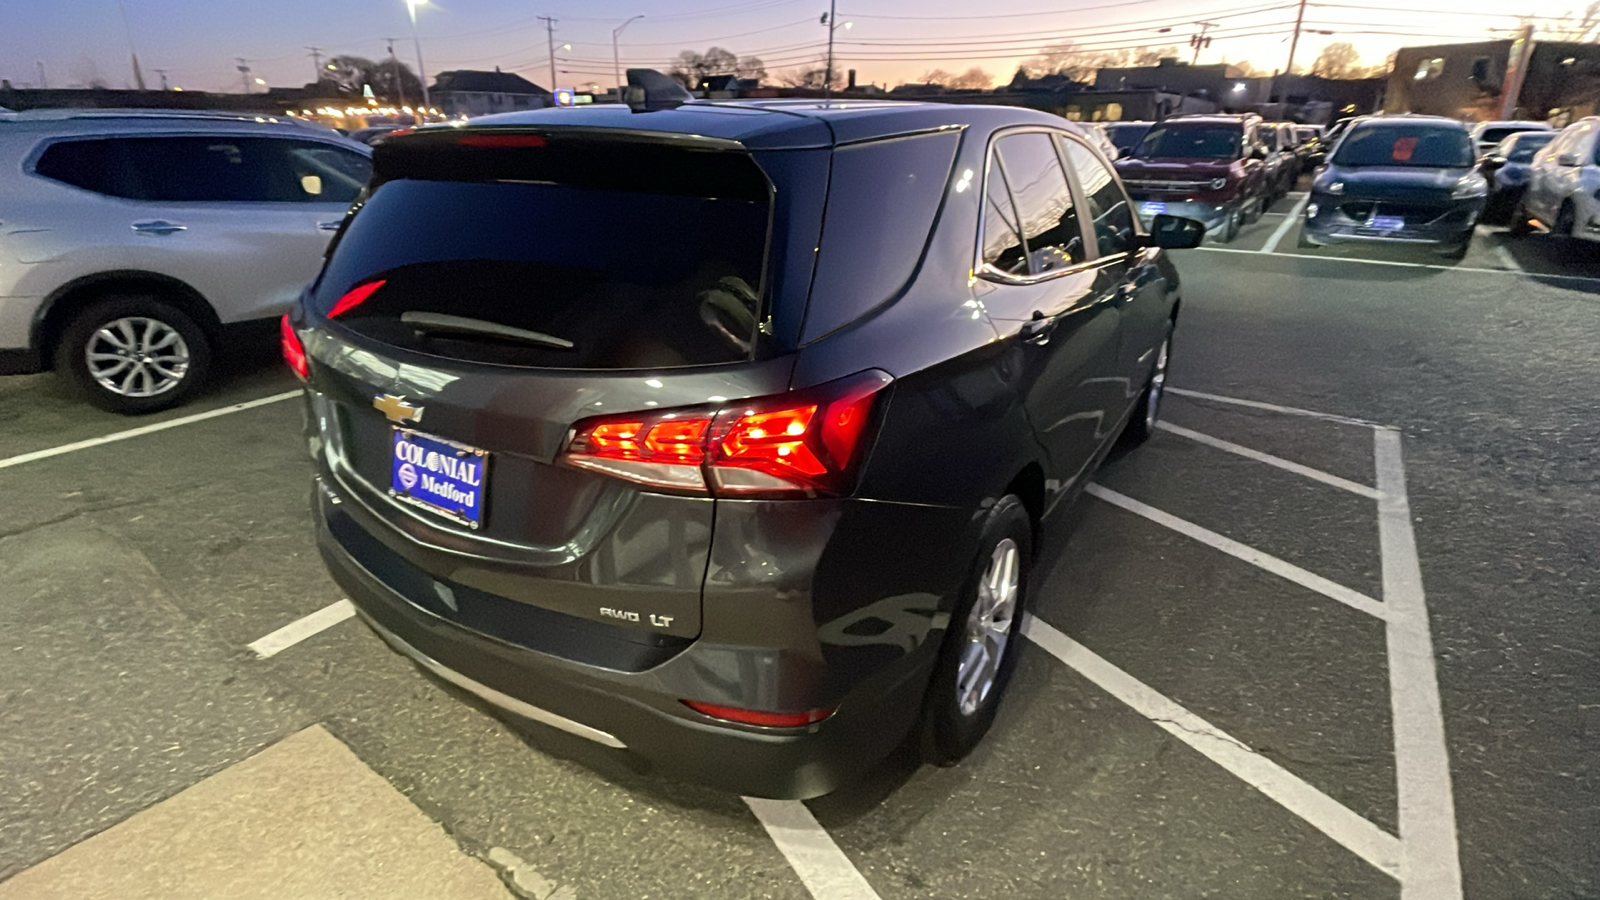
[294,352]
[759,717]
[355,297]
[501,140]
[805,443]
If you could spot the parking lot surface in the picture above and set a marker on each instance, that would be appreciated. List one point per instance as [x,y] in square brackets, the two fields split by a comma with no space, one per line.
[1330,634]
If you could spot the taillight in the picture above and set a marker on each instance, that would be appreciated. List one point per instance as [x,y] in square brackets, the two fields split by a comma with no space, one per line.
[799,444]
[759,717]
[355,297]
[294,352]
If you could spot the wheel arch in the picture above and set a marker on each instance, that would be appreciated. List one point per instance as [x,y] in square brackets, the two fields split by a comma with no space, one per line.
[51,319]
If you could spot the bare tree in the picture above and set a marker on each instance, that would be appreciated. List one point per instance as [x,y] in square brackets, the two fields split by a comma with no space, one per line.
[752,68]
[812,76]
[973,79]
[1246,70]
[692,68]
[1574,26]
[1338,60]
[1080,64]
[935,76]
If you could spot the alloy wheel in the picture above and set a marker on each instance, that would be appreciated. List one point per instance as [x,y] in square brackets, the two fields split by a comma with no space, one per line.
[137,356]
[1158,384]
[988,628]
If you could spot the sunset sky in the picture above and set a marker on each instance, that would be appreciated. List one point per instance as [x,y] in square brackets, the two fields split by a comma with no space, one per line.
[889,41]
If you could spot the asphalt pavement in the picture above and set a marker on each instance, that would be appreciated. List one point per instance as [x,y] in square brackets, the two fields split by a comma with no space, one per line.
[1208,705]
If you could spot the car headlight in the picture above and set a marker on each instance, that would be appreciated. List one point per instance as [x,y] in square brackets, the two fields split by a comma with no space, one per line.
[1334,187]
[1472,186]
[1218,184]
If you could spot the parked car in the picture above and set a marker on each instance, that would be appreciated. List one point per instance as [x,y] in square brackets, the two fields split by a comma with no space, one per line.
[1282,160]
[1126,135]
[1207,168]
[624,423]
[1488,135]
[374,133]
[1097,136]
[1309,146]
[1563,181]
[1507,167]
[1398,180]
[136,243]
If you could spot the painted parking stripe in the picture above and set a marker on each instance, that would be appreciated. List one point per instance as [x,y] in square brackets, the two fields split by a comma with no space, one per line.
[1286,570]
[1327,815]
[1278,461]
[1405,265]
[823,868]
[1272,407]
[1272,243]
[1507,259]
[302,628]
[1430,858]
[142,430]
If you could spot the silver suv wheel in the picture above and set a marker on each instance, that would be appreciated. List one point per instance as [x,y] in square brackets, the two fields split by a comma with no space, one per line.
[989,627]
[136,356]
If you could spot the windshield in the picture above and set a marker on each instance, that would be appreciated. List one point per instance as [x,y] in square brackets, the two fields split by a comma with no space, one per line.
[1520,148]
[1421,146]
[1191,142]
[1496,135]
[1126,137]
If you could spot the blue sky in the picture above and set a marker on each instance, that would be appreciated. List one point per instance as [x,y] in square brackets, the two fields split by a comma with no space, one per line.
[890,41]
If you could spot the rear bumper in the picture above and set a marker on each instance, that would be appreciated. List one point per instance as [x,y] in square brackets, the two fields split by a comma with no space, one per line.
[875,680]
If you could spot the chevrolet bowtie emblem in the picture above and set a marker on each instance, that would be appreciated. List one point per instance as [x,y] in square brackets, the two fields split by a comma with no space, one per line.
[396,409]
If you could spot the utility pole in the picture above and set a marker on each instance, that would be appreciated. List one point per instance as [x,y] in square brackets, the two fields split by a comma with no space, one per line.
[244,72]
[550,43]
[163,74]
[1200,41]
[1294,42]
[394,76]
[138,76]
[316,62]
[42,83]
[827,74]
[1516,72]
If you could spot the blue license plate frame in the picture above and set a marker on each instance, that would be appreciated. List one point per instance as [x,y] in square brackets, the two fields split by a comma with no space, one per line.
[443,477]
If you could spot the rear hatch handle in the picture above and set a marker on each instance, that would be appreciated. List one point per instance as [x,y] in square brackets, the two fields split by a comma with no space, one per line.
[440,323]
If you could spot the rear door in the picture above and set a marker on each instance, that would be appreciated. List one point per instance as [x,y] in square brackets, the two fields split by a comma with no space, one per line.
[495,290]
[1044,293]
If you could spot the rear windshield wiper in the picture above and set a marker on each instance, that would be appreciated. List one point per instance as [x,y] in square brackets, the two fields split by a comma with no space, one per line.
[440,323]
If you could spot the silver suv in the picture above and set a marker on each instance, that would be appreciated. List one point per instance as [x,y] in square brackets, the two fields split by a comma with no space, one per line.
[132,243]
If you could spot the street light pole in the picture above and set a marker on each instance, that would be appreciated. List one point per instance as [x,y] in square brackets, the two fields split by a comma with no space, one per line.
[616,56]
[138,76]
[827,74]
[422,74]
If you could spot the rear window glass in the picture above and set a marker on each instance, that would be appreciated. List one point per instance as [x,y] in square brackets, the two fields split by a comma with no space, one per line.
[882,199]
[1191,142]
[608,274]
[1525,146]
[1405,145]
[1496,135]
[216,169]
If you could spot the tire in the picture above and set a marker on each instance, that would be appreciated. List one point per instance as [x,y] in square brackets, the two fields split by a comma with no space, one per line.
[1230,228]
[961,701]
[1142,424]
[166,356]
[1519,226]
[1566,220]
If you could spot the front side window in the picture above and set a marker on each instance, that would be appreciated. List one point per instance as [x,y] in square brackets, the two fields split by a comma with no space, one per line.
[1425,146]
[1045,210]
[199,169]
[1179,141]
[1107,203]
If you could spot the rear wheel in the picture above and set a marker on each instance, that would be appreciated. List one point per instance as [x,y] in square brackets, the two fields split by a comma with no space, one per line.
[133,354]
[1231,225]
[1520,226]
[1567,220]
[979,649]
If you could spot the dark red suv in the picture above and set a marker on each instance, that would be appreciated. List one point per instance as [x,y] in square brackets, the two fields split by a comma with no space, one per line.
[1207,168]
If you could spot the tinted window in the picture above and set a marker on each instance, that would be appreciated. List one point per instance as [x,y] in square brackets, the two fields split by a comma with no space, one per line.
[1405,145]
[1044,201]
[1002,237]
[1108,205]
[209,169]
[882,197]
[1191,142]
[632,277]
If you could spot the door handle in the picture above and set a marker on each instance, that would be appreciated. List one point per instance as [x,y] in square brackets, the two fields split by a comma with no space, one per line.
[158,226]
[1037,330]
[330,226]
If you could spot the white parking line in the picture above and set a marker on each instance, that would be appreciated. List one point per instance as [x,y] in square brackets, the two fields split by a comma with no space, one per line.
[1283,228]
[1430,858]
[1506,257]
[823,868]
[1405,265]
[1286,570]
[302,628]
[1269,459]
[142,430]
[1327,815]
[1273,407]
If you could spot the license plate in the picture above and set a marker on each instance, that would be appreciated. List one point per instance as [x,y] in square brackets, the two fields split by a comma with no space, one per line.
[1152,209]
[440,476]
[1387,223]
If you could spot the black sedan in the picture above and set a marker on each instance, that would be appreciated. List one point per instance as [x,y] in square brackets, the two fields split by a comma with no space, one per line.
[1399,180]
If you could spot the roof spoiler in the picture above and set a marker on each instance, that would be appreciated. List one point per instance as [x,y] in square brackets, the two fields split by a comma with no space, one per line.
[649,89]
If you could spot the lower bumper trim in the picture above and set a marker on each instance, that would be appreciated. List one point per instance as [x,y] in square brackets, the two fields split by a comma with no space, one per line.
[489,694]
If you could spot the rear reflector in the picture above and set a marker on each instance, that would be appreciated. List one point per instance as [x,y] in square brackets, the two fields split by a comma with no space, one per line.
[294,353]
[355,297]
[804,443]
[759,717]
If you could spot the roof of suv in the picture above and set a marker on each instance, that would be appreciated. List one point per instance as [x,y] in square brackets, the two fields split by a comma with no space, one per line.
[100,121]
[1406,121]
[769,124]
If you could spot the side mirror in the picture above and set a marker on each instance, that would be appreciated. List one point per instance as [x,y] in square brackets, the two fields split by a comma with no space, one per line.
[1175,232]
[1567,159]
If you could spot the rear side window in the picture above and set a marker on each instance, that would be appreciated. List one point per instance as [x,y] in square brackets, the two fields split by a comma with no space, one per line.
[573,254]
[1045,211]
[882,199]
[1108,205]
[209,169]
[1002,236]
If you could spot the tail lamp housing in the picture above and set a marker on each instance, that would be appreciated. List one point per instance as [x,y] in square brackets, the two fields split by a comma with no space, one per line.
[804,443]
[294,352]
